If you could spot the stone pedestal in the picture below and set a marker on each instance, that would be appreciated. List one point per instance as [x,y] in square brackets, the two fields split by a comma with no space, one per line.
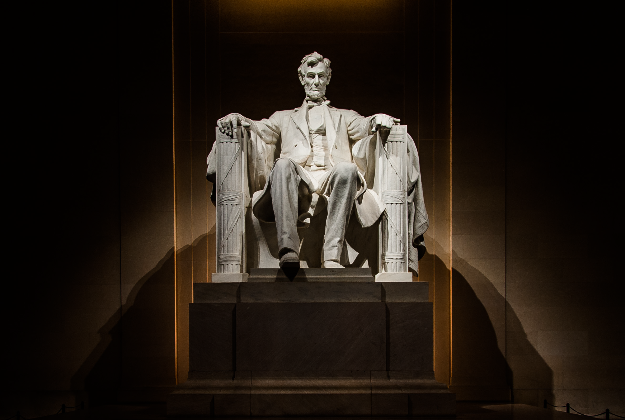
[327,343]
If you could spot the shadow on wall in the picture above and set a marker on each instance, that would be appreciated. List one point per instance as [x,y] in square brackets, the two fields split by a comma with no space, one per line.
[134,359]
[480,370]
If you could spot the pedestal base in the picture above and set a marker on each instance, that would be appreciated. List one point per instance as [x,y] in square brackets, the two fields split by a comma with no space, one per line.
[316,345]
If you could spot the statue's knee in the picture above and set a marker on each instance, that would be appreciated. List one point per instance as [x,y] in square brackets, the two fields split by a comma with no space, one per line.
[346,170]
[283,166]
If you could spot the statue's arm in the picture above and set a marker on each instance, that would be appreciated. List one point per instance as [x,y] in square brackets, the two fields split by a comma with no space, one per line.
[261,154]
[360,130]
[359,127]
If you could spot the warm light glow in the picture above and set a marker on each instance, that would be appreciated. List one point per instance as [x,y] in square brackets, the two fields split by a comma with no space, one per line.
[174,175]
[451,248]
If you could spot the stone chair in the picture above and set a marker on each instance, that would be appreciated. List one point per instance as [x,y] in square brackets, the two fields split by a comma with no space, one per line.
[243,164]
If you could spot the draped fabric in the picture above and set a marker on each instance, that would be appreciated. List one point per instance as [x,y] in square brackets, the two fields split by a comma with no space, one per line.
[418,222]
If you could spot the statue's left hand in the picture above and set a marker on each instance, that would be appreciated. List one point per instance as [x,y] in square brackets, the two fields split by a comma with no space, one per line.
[383,121]
[226,124]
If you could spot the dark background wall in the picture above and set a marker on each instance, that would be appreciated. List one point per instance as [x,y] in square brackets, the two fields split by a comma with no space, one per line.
[535,237]
[118,224]
[92,314]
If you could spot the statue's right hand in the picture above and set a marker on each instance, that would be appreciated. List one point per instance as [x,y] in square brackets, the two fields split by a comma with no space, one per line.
[226,123]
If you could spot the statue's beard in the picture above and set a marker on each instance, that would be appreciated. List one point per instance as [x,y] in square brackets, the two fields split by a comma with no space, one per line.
[315,94]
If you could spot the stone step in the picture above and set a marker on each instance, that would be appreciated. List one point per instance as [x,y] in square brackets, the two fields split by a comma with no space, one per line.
[300,292]
[327,396]
[324,275]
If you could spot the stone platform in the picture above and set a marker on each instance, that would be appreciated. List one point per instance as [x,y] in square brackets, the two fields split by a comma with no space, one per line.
[326,343]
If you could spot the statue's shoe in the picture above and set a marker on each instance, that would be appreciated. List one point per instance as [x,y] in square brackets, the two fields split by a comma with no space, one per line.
[289,261]
[331,264]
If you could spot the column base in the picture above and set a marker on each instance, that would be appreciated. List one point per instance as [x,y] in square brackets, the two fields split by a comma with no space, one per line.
[393,277]
[229,277]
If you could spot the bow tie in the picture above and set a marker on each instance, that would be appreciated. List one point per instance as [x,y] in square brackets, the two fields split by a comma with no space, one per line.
[320,101]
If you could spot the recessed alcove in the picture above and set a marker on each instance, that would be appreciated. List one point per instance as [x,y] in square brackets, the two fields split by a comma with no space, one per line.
[392,57]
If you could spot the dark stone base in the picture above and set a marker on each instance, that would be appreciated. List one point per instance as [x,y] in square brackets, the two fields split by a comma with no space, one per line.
[318,346]
[305,396]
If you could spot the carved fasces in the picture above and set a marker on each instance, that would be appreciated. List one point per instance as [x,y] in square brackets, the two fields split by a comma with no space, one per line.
[391,185]
[232,200]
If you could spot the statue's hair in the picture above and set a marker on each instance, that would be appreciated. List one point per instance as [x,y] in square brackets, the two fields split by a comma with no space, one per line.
[311,60]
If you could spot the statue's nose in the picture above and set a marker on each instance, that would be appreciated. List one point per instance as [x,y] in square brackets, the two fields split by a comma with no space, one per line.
[316,81]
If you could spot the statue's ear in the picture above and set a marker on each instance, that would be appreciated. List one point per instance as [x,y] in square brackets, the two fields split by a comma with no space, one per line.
[329,77]
[301,78]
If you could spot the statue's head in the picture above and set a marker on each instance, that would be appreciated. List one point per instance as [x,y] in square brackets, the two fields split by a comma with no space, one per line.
[314,73]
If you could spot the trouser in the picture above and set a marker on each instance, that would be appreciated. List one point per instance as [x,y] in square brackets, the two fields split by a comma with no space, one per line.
[289,196]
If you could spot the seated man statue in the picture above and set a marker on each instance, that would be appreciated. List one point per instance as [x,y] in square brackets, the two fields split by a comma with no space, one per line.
[318,167]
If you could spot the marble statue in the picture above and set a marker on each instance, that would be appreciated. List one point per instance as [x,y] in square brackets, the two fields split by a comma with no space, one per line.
[327,161]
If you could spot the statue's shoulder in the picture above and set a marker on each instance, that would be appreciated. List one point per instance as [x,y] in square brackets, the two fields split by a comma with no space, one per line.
[349,113]
[282,114]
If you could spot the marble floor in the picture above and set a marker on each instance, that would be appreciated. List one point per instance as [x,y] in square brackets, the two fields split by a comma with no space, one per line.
[465,411]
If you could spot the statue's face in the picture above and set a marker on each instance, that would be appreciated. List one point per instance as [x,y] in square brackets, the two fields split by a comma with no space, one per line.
[315,81]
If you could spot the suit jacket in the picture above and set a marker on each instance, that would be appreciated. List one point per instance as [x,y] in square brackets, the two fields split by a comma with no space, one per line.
[349,140]
[289,130]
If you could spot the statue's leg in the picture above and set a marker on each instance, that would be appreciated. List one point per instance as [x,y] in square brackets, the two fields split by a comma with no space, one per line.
[285,183]
[343,186]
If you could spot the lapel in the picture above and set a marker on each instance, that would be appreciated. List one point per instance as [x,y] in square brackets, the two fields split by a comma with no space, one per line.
[299,118]
[335,116]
